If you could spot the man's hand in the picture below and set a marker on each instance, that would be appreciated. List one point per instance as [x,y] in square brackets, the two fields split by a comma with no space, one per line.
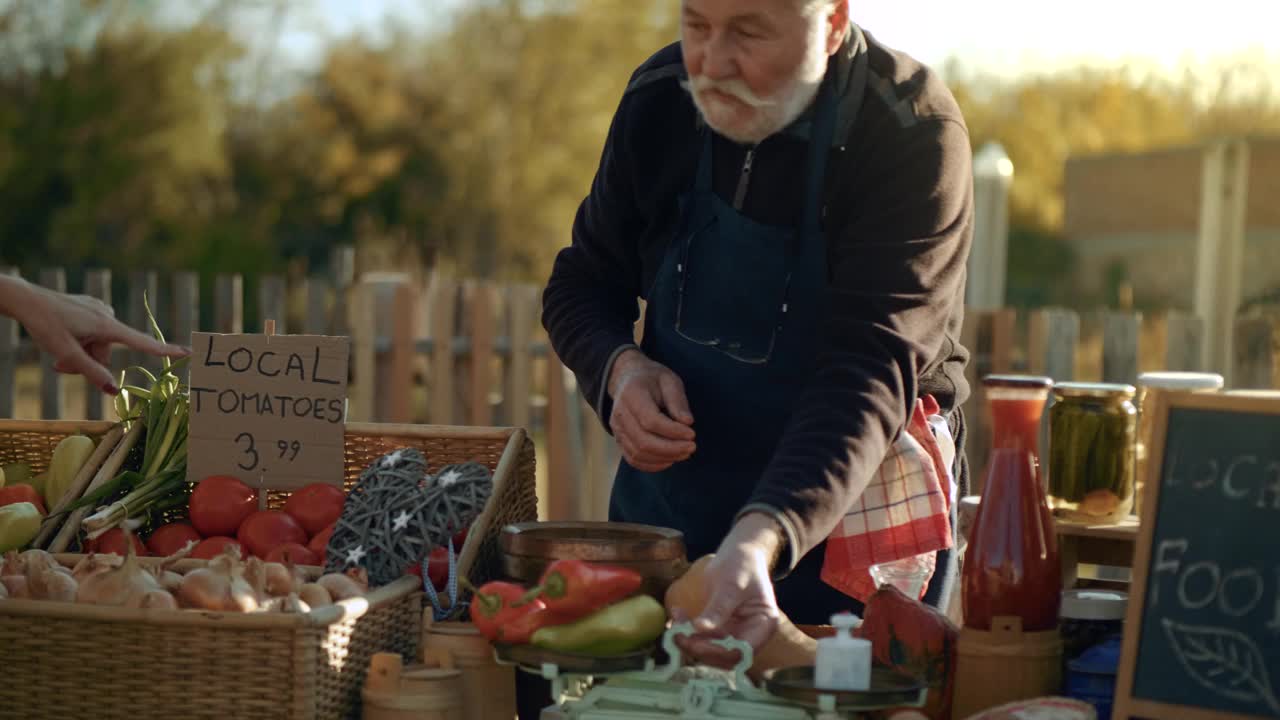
[741,603]
[650,419]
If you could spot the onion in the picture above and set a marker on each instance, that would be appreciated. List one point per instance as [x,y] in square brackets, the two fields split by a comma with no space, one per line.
[340,587]
[170,581]
[154,600]
[290,603]
[13,564]
[94,563]
[58,586]
[118,586]
[219,587]
[37,555]
[282,580]
[16,585]
[314,595]
[255,573]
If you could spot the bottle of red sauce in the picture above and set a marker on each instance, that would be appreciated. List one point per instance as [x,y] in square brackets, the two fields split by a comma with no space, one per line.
[1011,566]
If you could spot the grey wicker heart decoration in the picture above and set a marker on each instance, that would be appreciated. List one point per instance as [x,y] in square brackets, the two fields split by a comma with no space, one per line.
[398,512]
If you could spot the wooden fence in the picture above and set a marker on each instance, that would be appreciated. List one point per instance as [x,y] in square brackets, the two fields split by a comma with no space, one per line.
[444,351]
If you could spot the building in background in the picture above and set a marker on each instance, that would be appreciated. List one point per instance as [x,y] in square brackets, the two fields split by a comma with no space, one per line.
[1134,219]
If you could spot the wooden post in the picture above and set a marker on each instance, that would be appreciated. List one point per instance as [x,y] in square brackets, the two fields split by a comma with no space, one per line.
[8,357]
[97,283]
[1120,347]
[481,304]
[1256,342]
[363,392]
[319,321]
[1183,342]
[1224,201]
[228,305]
[522,307]
[562,477]
[395,378]
[52,391]
[1003,328]
[342,267]
[1054,334]
[186,307]
[144,283]
[271,302]
[442,305]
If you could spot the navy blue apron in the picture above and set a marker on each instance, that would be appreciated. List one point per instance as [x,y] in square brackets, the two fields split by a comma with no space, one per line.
[734,312]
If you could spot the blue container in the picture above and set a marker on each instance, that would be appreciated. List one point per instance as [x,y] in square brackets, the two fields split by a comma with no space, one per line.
[1091,677]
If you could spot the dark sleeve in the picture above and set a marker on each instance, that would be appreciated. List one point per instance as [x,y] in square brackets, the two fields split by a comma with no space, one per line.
[589,307]
[896,280]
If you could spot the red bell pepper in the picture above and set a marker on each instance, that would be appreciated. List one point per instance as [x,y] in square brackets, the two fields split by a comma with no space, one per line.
[528,619]
[575,588]
[22,493]
[496,604]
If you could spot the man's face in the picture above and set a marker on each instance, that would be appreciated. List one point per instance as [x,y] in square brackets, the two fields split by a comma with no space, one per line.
[755,65]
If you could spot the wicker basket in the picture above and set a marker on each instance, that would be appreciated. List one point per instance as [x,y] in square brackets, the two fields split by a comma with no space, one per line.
[65,660]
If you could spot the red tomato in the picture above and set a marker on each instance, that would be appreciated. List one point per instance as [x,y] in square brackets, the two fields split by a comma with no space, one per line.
[219,504]
[265,530]
[294,553]
[210,548]
[316,506]
[169,539]
[112,541]
[460,539]
[438,567]
[319,545]
[21,493]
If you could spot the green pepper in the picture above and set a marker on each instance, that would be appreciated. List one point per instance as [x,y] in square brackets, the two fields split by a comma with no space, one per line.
[620,628]
[19,525]
[17,474]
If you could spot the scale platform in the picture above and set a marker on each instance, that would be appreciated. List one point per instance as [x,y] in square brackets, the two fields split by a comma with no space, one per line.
[635,687]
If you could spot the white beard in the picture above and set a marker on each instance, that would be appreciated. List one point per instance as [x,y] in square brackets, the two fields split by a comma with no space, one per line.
[767,115]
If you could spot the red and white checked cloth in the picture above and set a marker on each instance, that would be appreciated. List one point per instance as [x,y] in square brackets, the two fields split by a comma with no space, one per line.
[905,510]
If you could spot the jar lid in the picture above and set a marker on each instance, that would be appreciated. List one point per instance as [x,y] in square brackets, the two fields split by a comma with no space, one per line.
[1018,381]
[1094,604]
[1095,390]
[1181,380]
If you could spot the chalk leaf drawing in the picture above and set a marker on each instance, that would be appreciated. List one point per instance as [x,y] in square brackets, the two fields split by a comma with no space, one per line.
[1223,661]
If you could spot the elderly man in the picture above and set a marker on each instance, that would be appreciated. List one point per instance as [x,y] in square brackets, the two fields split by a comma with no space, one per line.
[793,202]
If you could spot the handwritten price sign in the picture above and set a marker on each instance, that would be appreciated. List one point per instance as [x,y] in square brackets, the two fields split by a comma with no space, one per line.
[268,409]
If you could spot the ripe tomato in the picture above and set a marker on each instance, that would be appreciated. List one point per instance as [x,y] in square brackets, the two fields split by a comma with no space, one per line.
[460,539]
[219,503]
[169,539]
[265,530]
[112,541]
[210,548]
[316,506]
[20,493]
[294,553]
[438,567]
[319,545]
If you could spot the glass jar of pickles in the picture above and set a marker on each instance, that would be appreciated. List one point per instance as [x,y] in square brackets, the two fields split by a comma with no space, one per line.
[1150,386]
[1092,452]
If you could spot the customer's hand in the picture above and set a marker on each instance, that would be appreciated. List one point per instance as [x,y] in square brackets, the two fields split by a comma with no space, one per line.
[741,603]
[650,419]
[78,331]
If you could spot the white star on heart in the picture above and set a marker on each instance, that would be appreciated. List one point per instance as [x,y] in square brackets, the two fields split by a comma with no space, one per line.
[392,459]
[402,521]
[449,478]
[355,555]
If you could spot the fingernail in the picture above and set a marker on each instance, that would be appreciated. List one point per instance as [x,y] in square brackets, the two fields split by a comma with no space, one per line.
[111,389]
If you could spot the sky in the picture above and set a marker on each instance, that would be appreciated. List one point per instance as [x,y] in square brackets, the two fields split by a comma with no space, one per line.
[997,36]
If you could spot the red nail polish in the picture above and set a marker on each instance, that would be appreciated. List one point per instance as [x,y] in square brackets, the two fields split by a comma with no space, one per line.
[111,389]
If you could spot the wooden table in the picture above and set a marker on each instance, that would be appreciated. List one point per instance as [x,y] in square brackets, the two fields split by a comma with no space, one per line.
[1085,543]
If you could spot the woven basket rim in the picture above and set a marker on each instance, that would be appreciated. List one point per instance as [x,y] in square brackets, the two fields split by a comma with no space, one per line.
[318,618]
[389,430]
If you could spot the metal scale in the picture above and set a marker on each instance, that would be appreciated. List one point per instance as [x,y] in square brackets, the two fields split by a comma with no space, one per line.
[635,688]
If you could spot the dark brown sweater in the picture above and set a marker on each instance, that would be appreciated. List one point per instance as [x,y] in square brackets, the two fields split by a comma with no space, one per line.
[898,219]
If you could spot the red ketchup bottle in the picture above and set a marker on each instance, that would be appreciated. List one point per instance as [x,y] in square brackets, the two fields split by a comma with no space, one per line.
[1012,567]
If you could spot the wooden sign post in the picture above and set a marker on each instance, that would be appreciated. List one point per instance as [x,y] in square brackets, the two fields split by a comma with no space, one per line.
[268,409]
[1202,637]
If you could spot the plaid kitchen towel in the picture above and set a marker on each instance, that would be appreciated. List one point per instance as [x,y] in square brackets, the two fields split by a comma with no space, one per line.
[905,510]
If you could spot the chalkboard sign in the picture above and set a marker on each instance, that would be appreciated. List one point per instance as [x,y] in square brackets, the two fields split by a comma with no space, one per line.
[1202,638]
